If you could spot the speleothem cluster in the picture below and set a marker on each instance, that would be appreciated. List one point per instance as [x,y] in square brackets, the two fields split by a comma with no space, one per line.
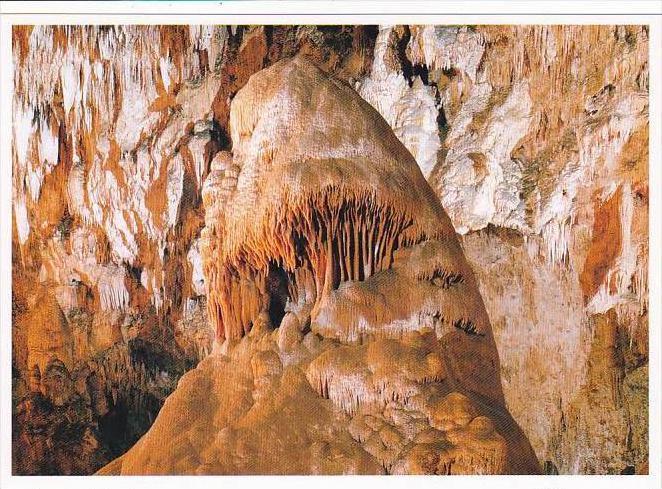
[349,325]
[533,137]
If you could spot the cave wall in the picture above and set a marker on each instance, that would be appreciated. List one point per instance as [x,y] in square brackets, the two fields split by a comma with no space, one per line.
[534,138]
[540,156]
[114,132]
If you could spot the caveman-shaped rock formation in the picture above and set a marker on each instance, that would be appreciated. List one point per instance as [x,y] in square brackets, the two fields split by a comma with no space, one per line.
[351,337]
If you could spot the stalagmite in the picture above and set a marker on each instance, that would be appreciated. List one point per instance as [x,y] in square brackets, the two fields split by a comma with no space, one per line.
[333,237]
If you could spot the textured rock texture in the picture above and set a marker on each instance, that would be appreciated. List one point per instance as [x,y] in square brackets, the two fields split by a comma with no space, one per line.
[534,138]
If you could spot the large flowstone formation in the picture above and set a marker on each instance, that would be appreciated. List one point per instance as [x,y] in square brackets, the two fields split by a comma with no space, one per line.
[349,325]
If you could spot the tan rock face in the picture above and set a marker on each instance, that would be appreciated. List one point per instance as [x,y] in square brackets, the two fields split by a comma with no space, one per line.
[258,408]
[348,307]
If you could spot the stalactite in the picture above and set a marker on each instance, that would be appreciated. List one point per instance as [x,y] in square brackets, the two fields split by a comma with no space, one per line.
[328,236]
